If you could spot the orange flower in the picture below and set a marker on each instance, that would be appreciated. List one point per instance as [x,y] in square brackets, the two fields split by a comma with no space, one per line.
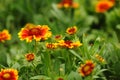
[69,44]
[71,30]
[30,57]
[86,68]
[58,37]
[98,57]
[103,6]
[8,74]
[4,35]
[30,32]
[67,4]
[51,45]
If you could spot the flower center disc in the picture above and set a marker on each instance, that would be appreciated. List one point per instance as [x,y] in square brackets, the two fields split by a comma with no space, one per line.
[86,68]
[7,75]
[34,31]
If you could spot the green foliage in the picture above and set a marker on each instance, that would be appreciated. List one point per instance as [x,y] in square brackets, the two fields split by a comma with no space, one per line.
[113,57]
[98,33]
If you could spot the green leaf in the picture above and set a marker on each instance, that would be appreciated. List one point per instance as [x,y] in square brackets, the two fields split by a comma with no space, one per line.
[16,65]
[9,21]
[95,47]
[9,60]
[100,71]
[118,26]
[40,77]
[74,76]
[99,77]
[76,54]
[1,66]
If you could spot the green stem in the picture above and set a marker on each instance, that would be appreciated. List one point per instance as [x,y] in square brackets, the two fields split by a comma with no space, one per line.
[72,14]
[35,47]
[68,63]
[47,62]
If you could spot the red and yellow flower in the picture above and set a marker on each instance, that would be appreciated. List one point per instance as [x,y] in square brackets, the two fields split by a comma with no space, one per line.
[9,74]
[30,32]
[71,30]
[51,45]
[67,4]
[30,57]
[4,35]
[69,43]
[103,6]
[58,37]
[87,68]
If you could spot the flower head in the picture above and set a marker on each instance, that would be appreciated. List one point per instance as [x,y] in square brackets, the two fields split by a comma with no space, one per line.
[69,44]
[86,68]
[103,6]
[71,30]
[30,32]
[67,4]
[51,45]
[4,35]
[30,57]
[58,37]
[8,74]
